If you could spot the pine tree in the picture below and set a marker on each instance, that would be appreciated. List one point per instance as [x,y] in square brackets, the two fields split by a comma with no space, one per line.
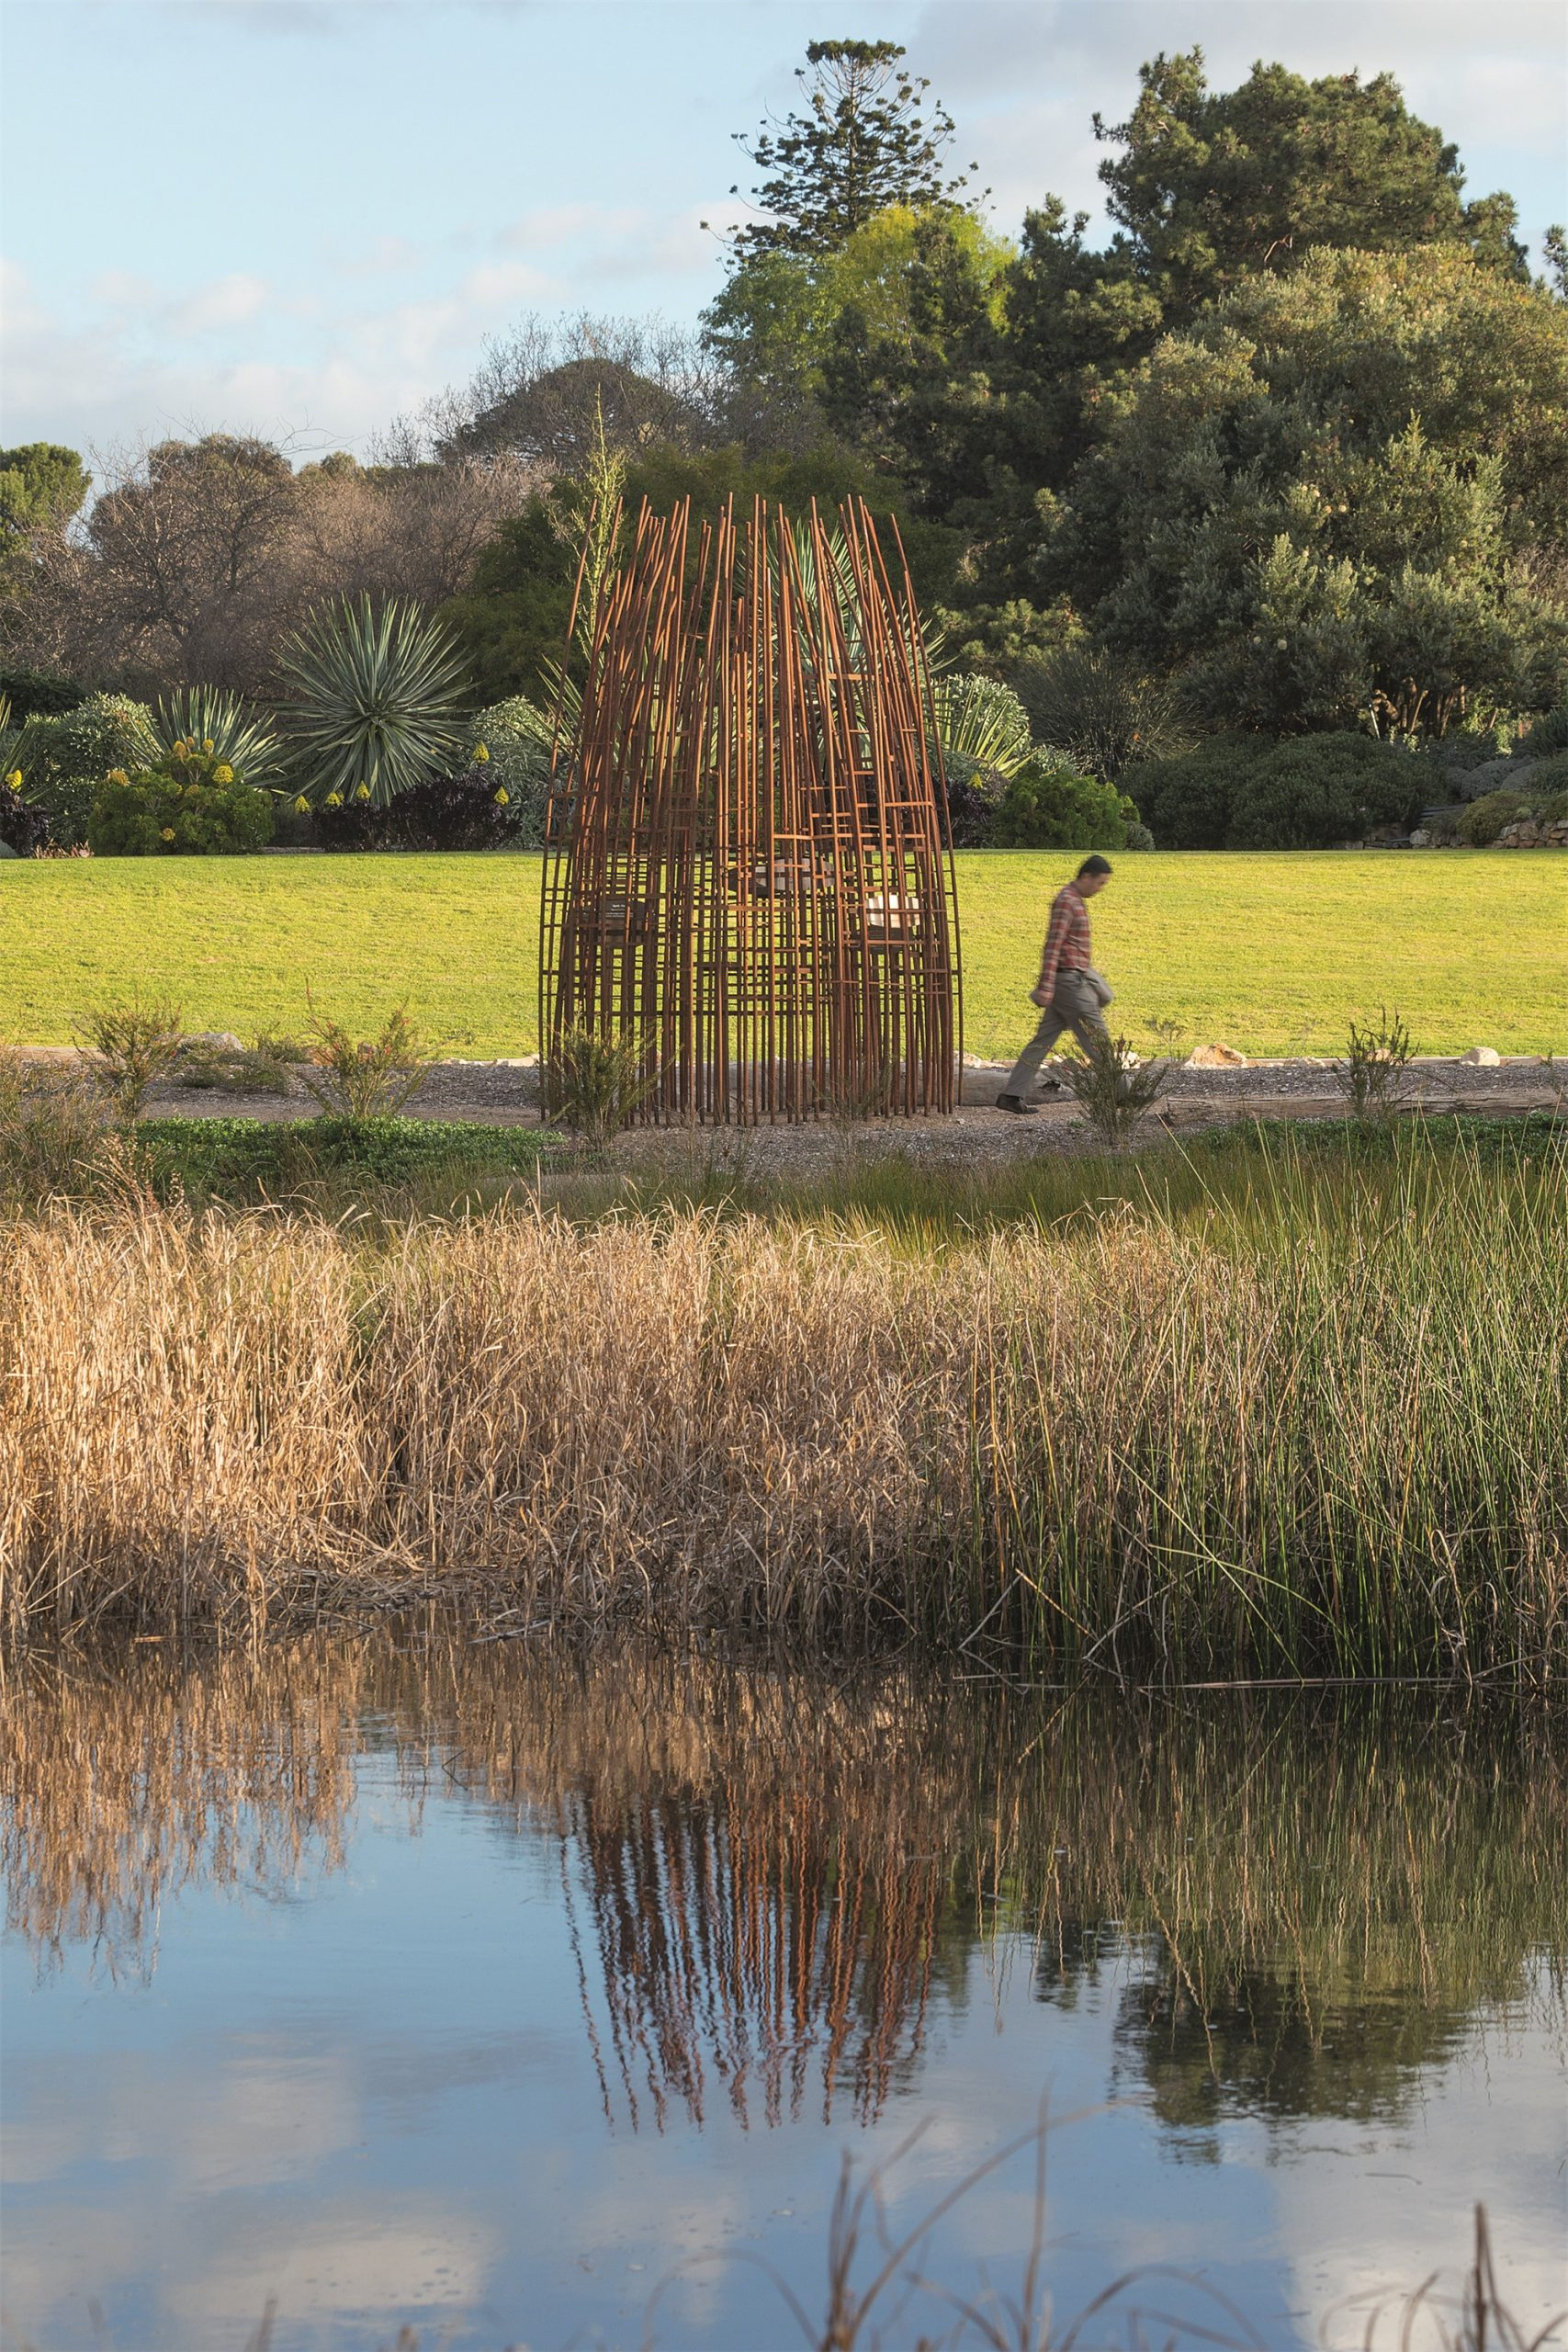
[868,137]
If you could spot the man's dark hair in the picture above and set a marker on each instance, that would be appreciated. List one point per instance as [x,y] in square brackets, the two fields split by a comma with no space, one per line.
[1095,865]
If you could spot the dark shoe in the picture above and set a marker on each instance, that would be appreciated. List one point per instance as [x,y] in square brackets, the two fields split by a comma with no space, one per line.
[1016,1103]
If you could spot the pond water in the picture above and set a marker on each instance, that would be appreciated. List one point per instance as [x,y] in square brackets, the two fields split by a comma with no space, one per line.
[419,1981]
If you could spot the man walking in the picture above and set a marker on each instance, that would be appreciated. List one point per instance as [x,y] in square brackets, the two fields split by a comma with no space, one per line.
[1069,992]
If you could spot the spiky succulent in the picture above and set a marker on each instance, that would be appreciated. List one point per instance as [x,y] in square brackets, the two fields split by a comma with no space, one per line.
[375,702]
[979,720]
[212,717]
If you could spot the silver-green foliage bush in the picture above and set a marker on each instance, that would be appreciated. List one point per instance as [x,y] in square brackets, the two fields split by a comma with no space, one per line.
[517,737]
[63,760]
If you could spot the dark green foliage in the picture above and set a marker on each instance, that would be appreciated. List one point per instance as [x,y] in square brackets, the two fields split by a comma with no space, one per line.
[39,693]
[248,1159]
[861,143]
[453,812]
[1267,516]
[1101,709]
[1048,808]
[1310,791]
[42,487]
[23,827]
[1213,185]
[512,618]
[191,806]
[1484,819]
[1549,733]
[64,760]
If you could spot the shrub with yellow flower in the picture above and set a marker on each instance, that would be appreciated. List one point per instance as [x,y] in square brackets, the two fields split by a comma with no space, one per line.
[222,772]
[503,796]
[363,793]
[333,800]
[301,806]
[119,776]
[481,755]
[167,834]
[13,780]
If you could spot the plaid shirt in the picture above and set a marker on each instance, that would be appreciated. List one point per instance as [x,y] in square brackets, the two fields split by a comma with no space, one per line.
[1066,940]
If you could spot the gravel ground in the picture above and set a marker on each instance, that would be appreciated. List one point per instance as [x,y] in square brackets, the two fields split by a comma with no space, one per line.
[506,1094]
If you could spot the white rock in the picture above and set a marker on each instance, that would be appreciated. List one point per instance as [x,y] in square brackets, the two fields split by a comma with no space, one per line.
[222,1041]
[1482,1057]
[1420,838]
[1215,1058]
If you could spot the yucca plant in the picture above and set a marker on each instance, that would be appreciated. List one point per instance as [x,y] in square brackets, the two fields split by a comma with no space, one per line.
[216,719]
[376,701]
[978,719]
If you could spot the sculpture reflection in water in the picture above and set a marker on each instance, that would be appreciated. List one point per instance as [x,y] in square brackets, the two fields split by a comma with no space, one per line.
[775,1883]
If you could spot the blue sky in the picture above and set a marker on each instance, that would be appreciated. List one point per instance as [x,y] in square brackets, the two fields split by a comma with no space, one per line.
[302,217]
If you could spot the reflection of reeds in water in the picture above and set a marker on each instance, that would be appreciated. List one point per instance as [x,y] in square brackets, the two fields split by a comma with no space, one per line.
[773,1879]
[1298,1432]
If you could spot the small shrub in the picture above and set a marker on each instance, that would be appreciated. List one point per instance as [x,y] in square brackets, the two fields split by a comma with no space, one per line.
[136,1044]
[1048,808]
[1138,837]
[190,804]
[55,1130]
[594,1084]
[352,824]
[1319,791]
[1555,807]
[1484,819]
[39,693]
[1543,778]
[64,760]
[219,1069]
[1101,712]
[1113,1089]
[464,811]
[975,799]
[1309,792]
[517,738]
[287,1050]
[1548,734]
[1376,1070]
[359,1078]
[23,827]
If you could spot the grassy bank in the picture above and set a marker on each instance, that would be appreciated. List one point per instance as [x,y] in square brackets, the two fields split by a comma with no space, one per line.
[1311,1422]
[1270,953]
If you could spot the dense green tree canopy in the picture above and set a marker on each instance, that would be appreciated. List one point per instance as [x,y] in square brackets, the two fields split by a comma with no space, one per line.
[42,487]
[1327,501]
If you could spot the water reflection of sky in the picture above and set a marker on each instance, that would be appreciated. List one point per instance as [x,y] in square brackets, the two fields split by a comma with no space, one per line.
[374,2097]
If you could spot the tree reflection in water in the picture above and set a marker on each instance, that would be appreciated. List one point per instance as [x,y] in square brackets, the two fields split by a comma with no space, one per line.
[770,1878]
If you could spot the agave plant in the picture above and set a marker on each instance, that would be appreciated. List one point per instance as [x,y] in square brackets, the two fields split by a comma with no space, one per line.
[979,720]
[212,715]
[375,702]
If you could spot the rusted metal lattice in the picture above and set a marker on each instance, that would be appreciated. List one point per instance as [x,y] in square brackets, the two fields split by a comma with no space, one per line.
[747,868]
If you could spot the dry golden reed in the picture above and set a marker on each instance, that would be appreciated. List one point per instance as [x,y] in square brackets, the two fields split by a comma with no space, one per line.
[1315,1432]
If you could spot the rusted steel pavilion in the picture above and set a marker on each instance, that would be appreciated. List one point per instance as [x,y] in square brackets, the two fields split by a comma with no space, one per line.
[747,868]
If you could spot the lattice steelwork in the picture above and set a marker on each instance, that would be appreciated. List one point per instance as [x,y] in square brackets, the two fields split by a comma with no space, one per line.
[747,868]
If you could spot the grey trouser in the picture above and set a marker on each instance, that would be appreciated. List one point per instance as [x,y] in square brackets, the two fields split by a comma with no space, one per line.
[1075,1006]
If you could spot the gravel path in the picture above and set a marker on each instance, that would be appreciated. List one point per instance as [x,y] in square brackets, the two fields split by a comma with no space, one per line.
[506,1094]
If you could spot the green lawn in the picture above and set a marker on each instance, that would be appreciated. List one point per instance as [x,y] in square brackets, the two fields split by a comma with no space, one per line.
[1269,953]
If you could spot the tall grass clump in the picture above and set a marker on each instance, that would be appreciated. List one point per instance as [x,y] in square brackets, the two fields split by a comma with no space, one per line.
[1316,1429]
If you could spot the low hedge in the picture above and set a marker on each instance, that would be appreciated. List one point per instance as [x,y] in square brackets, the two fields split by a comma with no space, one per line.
[1247,792]
[255,1159]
